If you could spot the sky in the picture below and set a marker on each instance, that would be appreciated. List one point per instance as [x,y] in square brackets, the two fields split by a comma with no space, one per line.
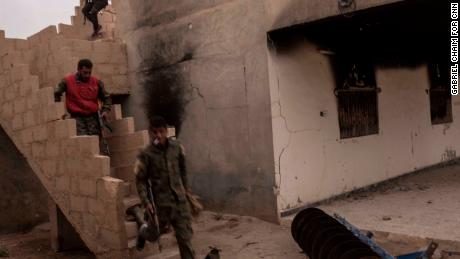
[22,18]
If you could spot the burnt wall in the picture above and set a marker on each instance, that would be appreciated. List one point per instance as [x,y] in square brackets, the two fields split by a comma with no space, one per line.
[203,66]
[283,14]
[23,202]
[393,48]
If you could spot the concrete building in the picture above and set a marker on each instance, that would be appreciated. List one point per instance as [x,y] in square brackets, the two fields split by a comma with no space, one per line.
[285,103]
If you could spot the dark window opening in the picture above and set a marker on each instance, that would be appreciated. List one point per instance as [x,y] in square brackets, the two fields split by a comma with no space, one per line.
[440,96]
[356,93]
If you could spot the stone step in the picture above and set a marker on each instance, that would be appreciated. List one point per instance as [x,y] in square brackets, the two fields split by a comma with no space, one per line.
[125,173]
[123,158]
[128,141]
[131,229]
[127,189]
[130,201]
[121,127]
[115,113]
[133,189]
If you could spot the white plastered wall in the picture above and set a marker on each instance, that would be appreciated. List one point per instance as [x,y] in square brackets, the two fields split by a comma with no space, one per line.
[312,163]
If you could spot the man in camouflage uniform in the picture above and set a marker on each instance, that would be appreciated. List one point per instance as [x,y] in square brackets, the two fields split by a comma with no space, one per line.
[90,11]
[161,167]
[83,93]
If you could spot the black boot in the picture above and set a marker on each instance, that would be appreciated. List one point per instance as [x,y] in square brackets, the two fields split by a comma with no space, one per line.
[140,243]
[97,32]
[138,214]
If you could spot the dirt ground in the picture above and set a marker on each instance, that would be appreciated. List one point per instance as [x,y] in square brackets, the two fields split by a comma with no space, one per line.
[244,237]
[409,211]
[404,214]
[236,236]
[424,204]
[35,245]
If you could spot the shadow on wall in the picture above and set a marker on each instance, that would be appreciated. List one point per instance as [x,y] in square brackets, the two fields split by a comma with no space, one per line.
[24,200]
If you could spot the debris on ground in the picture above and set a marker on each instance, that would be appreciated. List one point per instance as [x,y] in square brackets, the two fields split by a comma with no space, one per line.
[225,232]
[217,216]
[410,214]
[450,255]
[249,243]
[428,207]
[214,253]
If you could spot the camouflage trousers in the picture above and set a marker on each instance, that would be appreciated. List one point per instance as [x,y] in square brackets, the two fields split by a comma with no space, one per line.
[178,216]
[90,10]
[90,126]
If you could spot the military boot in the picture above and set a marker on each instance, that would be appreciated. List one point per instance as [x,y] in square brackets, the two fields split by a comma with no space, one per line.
[138,214]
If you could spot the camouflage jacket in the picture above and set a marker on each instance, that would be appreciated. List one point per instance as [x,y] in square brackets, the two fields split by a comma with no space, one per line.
[165,168]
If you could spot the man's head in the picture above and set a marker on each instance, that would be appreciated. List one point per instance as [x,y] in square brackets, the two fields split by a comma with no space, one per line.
[158,130]
[85,66]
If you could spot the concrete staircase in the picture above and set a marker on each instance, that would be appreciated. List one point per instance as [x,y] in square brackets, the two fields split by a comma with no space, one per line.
[92,191]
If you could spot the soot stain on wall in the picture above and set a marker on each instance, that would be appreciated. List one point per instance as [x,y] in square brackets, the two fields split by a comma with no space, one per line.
[164,74]
[165,92]
[404,34]
[390,36]
[164,95]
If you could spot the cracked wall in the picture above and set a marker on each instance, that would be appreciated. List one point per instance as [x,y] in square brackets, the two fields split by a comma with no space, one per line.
[312,163]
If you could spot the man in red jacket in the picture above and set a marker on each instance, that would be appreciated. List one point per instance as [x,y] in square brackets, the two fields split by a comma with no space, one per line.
[83,93]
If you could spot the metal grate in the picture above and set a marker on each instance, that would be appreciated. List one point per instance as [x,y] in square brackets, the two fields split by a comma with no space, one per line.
[358,113]
[440,96]
[356,96]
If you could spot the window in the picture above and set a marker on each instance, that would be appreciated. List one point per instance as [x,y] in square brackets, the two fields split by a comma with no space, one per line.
[356,93]
[440,96]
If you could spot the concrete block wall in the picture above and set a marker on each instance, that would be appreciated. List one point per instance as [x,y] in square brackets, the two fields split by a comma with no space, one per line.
[124,148]
[51,56]
[69,166]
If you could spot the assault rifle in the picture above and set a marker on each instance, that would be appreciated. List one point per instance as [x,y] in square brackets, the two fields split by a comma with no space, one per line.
[103,124]
[153,217]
